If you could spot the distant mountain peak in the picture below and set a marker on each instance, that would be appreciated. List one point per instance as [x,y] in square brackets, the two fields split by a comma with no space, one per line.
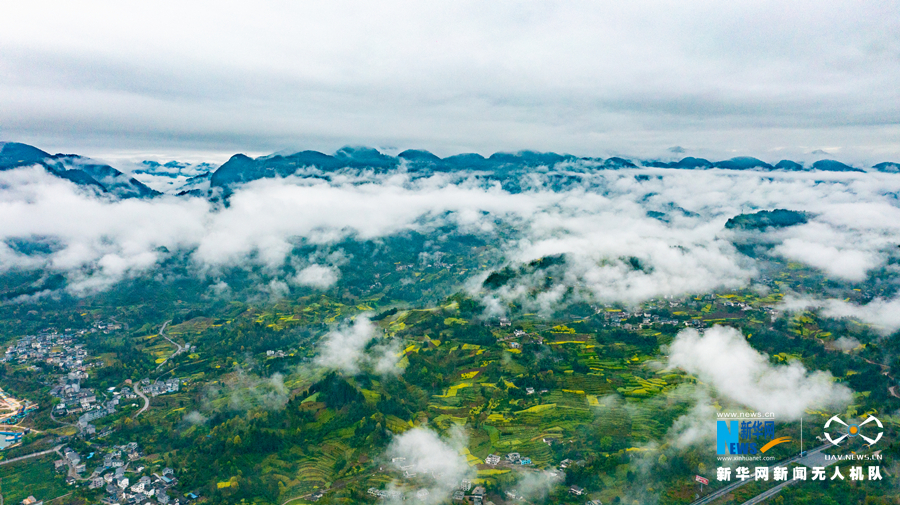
[77,169]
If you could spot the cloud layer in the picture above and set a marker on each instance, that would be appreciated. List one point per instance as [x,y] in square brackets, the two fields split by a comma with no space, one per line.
[722,358]
[627,235]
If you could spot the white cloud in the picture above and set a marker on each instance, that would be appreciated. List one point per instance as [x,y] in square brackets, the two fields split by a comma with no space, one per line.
[317,276]
[195,417]
[346,349]
[246,391]
[723,358]
[600,224]
[846,343]
[883,315]
[537,485]
[437,460]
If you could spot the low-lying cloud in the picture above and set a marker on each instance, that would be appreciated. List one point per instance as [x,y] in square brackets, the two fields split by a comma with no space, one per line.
[882,314]
[346,349]
[436,461]
[627,235]
[722,358]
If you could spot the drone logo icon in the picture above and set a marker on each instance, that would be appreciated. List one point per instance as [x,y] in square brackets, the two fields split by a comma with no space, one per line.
[854,430]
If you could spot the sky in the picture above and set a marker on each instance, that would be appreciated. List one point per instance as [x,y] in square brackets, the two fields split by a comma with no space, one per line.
[203,80]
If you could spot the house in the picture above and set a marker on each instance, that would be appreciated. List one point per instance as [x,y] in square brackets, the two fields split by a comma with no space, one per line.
[513,457]
[577,491]
[515,345]
[492,460]
[31,500]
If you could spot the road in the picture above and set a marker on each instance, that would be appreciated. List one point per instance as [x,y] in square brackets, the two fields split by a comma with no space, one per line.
[765,495]
[179,348]
[137,390]
[731,487]
[58,421]
[32,455]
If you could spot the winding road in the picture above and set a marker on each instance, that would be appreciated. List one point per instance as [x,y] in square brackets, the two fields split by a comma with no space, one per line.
[137,390]
[179,348]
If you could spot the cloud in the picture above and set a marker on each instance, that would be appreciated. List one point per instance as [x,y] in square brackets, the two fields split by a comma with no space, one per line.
[723,358]
[882,314]
[317,276]
[536,486]
[626,235]
[436,460]
[846,343]
[693,427]
[195,417]
[347,349]
[245,391]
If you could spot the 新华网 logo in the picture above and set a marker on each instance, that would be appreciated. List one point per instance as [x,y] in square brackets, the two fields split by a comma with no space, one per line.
[746,437]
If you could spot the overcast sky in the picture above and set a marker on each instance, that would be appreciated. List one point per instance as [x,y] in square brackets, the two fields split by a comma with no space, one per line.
[166,79]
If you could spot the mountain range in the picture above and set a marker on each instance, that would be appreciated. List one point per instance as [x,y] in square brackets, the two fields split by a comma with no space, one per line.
[78,169]
[204,179]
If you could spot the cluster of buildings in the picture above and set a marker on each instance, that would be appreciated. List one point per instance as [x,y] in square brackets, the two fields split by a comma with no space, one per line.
[58,349]
[617,320]
[475,497]
[85,401]
[121,490]
[513,458]
[392,494]
[122,484]
[161,387]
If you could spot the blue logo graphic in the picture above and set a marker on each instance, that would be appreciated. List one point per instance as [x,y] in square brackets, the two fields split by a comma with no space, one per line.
[744,437]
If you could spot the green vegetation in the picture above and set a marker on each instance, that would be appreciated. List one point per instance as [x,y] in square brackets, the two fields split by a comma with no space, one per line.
[584,384]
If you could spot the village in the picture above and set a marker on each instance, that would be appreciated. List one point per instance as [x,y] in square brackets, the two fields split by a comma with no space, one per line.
[120,473]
